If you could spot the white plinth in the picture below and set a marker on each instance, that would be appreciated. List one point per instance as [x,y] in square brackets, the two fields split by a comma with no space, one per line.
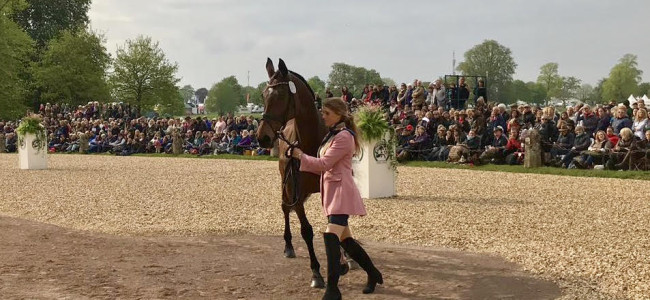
[31,158]
[373,173]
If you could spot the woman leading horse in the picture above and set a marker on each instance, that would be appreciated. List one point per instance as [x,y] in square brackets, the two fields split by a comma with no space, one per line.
[339,194]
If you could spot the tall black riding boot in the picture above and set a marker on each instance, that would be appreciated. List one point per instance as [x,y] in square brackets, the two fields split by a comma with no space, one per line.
[333,251]
[360,256]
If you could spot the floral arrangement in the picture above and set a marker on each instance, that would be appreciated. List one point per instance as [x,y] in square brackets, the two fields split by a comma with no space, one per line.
[32,125]
[373,126]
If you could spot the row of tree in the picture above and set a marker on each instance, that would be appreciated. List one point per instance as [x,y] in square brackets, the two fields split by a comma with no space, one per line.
[495,62]
[50,55]
[489,59]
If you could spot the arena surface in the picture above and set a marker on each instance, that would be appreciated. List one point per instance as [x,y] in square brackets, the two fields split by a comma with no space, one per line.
[141,227]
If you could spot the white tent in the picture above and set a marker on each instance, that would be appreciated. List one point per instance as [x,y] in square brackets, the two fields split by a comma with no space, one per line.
[631,99]
[645,99]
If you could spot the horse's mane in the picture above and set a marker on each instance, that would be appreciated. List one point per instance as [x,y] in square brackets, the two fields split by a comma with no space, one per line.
[313,97]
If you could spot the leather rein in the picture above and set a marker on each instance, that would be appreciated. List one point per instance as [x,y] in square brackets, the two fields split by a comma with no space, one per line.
[292,169]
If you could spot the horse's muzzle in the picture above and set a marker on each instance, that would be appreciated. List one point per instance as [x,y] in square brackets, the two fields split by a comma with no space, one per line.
[265,142]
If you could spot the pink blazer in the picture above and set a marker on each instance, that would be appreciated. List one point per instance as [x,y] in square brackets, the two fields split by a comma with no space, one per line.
[339,193]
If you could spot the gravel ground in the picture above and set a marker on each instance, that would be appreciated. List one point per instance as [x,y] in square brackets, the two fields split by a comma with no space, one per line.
[588,234]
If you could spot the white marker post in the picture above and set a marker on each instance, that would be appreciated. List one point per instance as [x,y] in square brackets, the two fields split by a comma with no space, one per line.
[32,144]
[373,172]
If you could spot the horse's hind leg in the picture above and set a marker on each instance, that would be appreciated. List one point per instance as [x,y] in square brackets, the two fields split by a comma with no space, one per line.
[288,247]
[307,233]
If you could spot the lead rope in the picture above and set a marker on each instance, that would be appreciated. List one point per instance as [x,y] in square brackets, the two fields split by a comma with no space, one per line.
[291,171]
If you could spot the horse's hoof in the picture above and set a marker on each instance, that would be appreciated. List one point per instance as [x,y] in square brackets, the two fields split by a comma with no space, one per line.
[317,283]
[289,253]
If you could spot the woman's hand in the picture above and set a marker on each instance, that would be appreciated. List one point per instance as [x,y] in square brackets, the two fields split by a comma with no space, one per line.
[296,153]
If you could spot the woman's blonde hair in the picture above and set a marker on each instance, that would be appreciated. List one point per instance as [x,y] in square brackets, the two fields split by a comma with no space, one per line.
[548,111]
[645,115]
[626,133]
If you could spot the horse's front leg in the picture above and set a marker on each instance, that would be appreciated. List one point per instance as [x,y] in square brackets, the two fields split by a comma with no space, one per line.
[288,247]
[307,233]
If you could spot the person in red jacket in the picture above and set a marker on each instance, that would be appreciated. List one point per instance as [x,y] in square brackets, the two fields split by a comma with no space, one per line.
[613,138]
[514,152]
[340,196]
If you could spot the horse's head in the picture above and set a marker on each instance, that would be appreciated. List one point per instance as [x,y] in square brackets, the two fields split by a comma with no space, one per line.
[279,103]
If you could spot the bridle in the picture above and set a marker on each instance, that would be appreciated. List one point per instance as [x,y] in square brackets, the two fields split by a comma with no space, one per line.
[292,169]
[282,120]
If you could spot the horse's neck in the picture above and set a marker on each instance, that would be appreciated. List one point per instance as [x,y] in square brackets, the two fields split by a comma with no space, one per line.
[309,130]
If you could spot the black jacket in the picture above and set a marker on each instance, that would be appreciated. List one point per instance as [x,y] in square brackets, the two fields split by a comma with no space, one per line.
[501,142]
[566,141]
[582,142]
[590,123]
[438,141]
[473,143]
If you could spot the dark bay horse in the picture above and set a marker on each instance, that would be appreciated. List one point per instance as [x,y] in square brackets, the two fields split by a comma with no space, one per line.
[289,106]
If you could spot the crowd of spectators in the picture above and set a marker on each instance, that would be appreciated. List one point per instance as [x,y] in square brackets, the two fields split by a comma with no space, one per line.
[119,129]
[455,123]
[452,123]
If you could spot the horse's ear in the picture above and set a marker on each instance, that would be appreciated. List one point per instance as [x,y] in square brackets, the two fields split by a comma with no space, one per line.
[270,69]
[283,68]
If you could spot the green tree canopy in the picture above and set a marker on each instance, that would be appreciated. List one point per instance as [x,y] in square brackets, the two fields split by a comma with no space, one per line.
[585,93]
[530,92]
[186,92]
[15,50]
[317,85]
[201,94]
[517,90]
[73,69]
[46,19]
[550,79]
[537,92]
[355,78]
[174,107]
[597,95]
[623,79]
[239,90]
[492,60]
[255,93]
[390,82]
[9,7]
[143,76]
[644,89]
[223,97]
[256,96]
[569,88]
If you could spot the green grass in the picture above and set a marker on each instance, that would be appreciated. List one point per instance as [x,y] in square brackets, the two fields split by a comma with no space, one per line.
[220,156]
[642,175]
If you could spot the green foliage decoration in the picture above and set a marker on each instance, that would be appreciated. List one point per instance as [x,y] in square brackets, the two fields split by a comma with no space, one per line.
[373,126]
[32,125]
[371,123]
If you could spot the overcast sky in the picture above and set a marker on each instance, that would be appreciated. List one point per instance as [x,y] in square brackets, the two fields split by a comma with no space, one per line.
[403,40]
